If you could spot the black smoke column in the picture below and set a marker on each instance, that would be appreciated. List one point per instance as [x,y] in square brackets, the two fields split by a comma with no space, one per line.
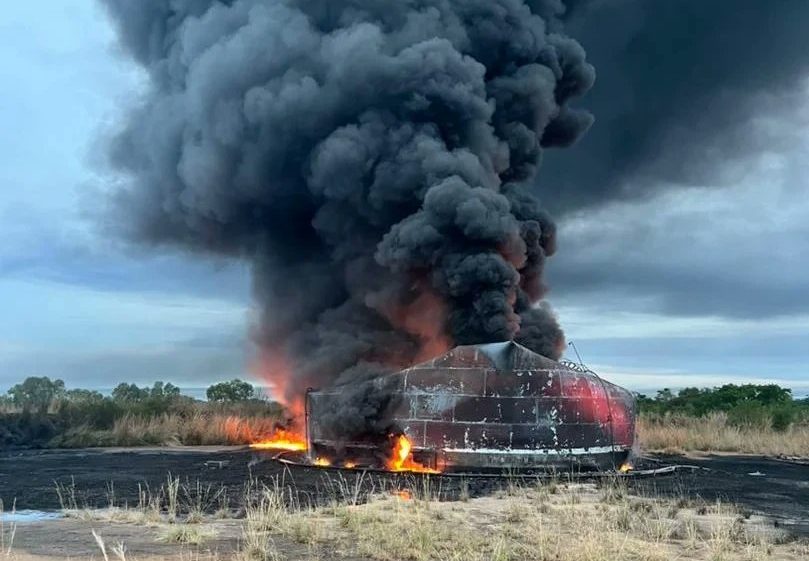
[367,156]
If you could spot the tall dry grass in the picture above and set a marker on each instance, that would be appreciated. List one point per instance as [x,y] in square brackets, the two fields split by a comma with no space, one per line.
[171,429]
[673,433]
[195,430]
[8,530]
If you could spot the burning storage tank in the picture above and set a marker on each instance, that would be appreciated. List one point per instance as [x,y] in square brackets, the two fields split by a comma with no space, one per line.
[495,406]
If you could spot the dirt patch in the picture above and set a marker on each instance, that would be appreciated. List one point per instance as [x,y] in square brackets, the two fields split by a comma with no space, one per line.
[76,540]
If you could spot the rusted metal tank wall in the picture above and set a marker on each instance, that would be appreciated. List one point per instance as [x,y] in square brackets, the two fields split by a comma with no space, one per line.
[502,405]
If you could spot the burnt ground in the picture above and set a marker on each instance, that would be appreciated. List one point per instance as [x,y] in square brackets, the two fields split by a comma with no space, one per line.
[777,489]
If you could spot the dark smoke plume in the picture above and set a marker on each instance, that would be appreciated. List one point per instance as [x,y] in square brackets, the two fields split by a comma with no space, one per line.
[368,157]
[679,83]
[363,412]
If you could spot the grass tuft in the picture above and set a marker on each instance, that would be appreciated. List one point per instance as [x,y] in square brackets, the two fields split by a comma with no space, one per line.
[186,534]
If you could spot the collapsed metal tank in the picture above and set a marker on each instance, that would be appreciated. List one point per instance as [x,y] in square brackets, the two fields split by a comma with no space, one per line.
[500,406]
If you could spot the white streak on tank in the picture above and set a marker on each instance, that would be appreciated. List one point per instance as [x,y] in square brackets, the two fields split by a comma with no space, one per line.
[554,413]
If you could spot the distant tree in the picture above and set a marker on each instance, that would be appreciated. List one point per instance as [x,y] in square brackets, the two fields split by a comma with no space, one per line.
[79,395]
[164,391]
[79,407]
[6,402]
[664,395]
[235,390]
[36,394]
[129,393]
[772,394]
[147,402]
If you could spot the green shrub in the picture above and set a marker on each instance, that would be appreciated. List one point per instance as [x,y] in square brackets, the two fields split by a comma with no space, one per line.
[749,415]
[782,417]
[745,401]
[92,409]
[235,390]
[26,429]
[36,394]
[147,402]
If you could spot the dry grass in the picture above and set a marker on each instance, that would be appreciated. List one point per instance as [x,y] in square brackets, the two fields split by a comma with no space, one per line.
[175,507]
[570,523]
[549,522]
[187,534]
[118,550]
[8,530]
[197,429]
[714,434]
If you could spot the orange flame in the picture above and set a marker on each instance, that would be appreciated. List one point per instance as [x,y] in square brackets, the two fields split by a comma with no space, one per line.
[404,494]
[401,459]
[625,468]
[281,439]
[322,462]
[275,368]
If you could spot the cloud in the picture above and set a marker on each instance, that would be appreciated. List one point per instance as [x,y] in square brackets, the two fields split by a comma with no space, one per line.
[649,380]
[39,247]
[88,337]
[75,304]
[188,364]
[733,251]
[679,83]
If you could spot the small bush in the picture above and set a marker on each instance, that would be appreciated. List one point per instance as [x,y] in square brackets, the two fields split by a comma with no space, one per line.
[783,417]
[233,391]
[94,410]
[749,415]
[26,429]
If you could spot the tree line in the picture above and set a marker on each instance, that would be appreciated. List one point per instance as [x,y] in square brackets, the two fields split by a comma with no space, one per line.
[760,405]
[39,394]
[39,409]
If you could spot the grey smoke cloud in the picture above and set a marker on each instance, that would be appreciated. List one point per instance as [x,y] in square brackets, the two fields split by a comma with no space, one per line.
[679,82]
[685,197]
[369,159]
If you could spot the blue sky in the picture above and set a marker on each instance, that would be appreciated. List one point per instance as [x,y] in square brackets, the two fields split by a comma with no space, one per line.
[76,305]
[697,285]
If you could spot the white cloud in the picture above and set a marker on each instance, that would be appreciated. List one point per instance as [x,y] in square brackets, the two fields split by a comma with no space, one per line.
[650,380]
[594,322]
[700,251]
[62,316]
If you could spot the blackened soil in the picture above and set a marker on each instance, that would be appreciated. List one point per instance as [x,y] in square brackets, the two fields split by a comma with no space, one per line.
[775,488]
[771,487]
